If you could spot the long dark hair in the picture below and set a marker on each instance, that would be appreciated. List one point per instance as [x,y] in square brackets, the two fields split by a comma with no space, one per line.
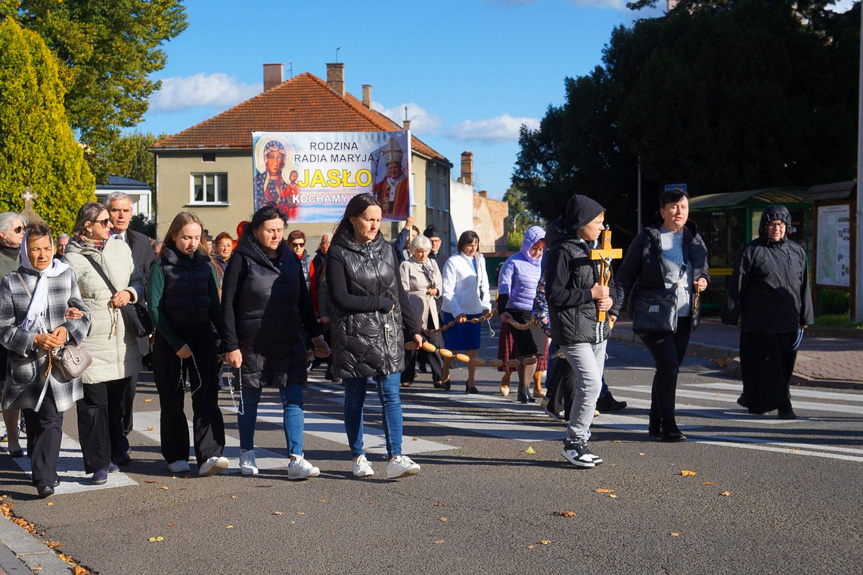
[266,213]
[355,207]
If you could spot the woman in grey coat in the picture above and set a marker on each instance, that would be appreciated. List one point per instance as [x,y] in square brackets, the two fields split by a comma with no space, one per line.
[35,303]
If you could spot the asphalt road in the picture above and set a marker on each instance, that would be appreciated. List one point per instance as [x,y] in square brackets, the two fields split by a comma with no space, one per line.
[768,496]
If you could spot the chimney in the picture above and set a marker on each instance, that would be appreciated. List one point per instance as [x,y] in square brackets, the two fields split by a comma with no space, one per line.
[483,193]
[273,75]
[367,95]
[407,124]
[336,78]
[466,168]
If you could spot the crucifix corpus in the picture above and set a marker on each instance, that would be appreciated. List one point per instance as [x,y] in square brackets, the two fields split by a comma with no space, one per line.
[605,254]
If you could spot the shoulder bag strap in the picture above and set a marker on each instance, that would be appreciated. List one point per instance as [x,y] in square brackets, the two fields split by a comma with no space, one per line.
[48,374]
[102,274]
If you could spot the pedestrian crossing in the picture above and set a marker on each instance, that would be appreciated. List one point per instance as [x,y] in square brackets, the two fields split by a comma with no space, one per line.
[703,408]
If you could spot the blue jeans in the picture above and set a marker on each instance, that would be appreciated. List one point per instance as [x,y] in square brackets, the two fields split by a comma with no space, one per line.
[355,397]
[294,418]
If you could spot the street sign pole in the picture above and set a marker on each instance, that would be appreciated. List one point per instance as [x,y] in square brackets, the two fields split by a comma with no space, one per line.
[858,260]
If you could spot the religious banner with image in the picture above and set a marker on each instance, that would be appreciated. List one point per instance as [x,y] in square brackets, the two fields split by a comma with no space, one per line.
[311,176]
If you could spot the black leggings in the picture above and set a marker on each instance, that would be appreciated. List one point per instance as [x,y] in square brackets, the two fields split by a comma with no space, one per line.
[668,351]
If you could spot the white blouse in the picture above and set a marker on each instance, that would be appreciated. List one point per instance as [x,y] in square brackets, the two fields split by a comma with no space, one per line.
[465,290]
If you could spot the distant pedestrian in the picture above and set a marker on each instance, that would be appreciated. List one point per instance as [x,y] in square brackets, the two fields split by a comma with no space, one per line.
[769,296]
[12,225]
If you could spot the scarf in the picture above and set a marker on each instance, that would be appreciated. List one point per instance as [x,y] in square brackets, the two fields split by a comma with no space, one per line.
[35,318]
[97,245]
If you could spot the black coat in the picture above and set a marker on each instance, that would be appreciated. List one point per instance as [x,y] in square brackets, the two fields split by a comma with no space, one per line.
[769,287]
[186,295]
[265,307]
[642,265]
[569,275]
[368,308]
[142,252]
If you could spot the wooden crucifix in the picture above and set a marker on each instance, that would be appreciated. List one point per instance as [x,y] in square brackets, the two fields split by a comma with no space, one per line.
[605,254]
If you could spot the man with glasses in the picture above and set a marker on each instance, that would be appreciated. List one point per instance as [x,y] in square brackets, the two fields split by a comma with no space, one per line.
[769,296]
[11,234]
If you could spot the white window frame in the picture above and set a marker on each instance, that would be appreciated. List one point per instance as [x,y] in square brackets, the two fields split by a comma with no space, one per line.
[221,198]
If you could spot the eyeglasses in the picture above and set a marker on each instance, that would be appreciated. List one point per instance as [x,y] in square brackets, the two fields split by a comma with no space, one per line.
[298,245]
[776,226]
[18,230]
[103,223]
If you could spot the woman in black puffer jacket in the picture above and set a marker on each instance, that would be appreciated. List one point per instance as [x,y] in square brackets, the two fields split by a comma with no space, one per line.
[369,310]
[666,252]
[265,305]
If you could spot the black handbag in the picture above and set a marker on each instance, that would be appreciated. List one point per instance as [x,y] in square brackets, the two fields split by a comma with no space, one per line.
[135,315]
[655,312]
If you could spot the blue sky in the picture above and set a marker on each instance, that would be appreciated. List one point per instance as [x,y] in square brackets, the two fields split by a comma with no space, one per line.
[470,71]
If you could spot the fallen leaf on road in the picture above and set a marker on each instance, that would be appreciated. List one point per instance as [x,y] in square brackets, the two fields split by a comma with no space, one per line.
[707,483]
[544,541]
[600,490]
[529,450]
[78,570]
[673,534]
[443,519]
[725,493]
[150,428]
[156,539]
[414,439]
[234,496]
[613,496]
[293,522]
[171,524]
[277,512]
[165,487]
[322,500]
[440,504]
[301,512]
[617,441]
[229,527]
[531,546]
[149,481]
[50,504]
[52,544]
[565,513]
[148,400]
[687,473]
[641,453]
[449,438]
[439,541]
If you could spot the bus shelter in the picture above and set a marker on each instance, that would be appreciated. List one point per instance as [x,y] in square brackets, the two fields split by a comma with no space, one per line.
[728,221]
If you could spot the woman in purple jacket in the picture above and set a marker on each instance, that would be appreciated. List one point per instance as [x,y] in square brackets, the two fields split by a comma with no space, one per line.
[516,288]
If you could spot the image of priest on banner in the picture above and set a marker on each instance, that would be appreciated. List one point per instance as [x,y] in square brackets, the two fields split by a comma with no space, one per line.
[392,192]
[270,185]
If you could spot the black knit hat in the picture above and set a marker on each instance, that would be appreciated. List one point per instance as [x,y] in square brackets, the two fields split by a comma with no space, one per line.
[431,232]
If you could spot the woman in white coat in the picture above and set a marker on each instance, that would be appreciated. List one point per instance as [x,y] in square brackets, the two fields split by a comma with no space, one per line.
[114,349]
[465,298]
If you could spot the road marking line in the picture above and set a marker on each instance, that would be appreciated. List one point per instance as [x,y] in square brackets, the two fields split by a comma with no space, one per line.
[795,392]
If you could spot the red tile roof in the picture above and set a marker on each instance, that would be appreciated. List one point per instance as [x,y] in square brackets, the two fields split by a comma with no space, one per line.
[302,104]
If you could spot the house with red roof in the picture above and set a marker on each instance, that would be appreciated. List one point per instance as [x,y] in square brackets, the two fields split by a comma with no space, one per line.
[208,168]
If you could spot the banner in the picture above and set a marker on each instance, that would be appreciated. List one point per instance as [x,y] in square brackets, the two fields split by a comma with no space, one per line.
[311,176]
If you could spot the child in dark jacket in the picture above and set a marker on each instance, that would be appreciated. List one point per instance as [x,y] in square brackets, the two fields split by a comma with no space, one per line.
[574,297]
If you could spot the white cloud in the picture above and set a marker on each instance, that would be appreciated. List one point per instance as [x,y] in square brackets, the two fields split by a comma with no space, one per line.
[219,90]
[503,128]
[422,121]
[614,4]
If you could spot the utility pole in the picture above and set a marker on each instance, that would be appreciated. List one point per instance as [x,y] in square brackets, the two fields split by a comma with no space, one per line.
[858,260]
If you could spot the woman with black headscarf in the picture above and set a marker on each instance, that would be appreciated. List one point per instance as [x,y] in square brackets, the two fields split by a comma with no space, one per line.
[769,297]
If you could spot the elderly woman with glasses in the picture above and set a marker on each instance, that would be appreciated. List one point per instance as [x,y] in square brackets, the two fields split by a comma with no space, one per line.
[108,280]
[11,232]
[769,297]
[421,279]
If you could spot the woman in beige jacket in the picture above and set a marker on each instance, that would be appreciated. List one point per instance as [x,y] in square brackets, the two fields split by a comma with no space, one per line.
[114,349]
[421,279]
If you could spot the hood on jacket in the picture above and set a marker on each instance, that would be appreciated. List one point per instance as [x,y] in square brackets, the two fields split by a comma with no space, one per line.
[772,213]
[249,246]
[580,211]
[531,236]
[555,233]
[347,241]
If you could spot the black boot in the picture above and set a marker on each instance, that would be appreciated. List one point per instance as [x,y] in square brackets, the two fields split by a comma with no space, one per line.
[670,432]
[653,427]
[524,396]
[607,403]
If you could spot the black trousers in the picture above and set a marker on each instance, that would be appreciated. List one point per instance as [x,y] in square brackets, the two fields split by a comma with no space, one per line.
[100,423]
[433,359]
[767,364]
[668,351]
[127,407]
[44,434]
[207,423]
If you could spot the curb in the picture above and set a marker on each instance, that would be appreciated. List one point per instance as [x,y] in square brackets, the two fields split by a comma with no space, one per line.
[21,552]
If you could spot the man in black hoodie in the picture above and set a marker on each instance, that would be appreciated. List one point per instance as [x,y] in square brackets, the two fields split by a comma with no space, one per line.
[769,296]
[574,296]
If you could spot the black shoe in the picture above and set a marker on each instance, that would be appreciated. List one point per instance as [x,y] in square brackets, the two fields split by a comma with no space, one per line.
[447,385]
[469,389]
[787,414]
[124,459]
[671,433]
[438,385]
[653,428]
[17,453]
[608,403]
[56,483]
[741,401]
[329,375]
[524,396]
[44,491]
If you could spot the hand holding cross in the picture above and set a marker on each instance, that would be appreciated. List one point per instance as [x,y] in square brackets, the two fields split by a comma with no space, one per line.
[605,254]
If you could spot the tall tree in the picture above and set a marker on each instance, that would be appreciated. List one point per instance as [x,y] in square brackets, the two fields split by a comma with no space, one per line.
[725,96]
[108,49]
[128,157]
[37,146]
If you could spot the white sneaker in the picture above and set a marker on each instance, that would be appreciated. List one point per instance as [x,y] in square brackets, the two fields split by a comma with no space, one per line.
[362,467]
[179,466]
[213,466]
[248,465]
[299,468]
[401,466]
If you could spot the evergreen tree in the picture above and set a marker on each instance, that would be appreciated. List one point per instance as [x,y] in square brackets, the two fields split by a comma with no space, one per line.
[37,146]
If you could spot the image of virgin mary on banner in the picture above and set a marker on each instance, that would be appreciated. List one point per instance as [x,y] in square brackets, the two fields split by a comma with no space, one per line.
[311,176]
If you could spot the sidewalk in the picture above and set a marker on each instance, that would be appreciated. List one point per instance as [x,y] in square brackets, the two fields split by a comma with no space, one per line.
[823,360]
